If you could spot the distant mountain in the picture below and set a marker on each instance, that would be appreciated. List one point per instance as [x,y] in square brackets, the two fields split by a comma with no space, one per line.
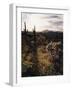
[45,31]
[49,35]
[53,35]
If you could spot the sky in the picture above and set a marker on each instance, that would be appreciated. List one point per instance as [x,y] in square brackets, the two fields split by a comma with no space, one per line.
[51,22]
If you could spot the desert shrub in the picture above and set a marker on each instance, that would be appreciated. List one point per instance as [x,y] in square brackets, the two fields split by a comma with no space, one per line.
[51,70]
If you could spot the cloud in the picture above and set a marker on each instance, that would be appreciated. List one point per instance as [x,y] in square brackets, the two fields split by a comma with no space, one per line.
[56,22]
[59,16]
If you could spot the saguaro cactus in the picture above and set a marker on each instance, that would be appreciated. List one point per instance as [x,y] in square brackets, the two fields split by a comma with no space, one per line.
[34,51]
[25,27]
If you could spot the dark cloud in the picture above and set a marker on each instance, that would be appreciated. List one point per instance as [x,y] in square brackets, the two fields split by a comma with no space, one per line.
[56,16]
[56,22]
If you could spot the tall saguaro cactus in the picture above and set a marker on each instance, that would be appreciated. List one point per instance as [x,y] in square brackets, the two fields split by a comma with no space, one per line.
[25,27]
[34,52]
[34,33]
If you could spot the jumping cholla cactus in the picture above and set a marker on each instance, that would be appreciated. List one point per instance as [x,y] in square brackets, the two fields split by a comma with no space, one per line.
[54,49]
